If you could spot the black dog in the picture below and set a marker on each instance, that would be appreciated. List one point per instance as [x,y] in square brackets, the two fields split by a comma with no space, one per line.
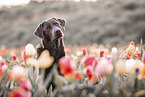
[51,33]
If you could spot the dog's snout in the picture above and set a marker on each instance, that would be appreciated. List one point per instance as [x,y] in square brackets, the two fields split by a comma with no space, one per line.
[58,31]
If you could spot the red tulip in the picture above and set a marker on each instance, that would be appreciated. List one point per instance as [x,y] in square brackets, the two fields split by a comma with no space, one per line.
[1,64]
[89,72]
[85,51]
[101,53]
[66,65]
[90,60]
[19,92]
[77,75]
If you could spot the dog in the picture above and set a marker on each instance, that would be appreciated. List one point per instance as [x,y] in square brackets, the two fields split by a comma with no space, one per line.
[51,33]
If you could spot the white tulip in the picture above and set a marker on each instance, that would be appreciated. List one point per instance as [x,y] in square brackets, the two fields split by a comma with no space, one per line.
[30,50]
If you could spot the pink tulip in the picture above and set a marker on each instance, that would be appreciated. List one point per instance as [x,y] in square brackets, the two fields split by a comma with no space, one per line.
[25,84]
[143,57]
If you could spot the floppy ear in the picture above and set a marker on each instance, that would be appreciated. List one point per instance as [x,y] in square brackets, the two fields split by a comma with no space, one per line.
[39,31]
[62,22]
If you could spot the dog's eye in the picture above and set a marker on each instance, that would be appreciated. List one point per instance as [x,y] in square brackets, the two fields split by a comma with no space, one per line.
[56,24]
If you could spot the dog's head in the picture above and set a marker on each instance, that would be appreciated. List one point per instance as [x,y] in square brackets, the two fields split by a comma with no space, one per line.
[50,30]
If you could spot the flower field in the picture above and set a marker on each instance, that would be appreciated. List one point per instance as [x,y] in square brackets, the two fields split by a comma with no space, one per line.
[88,71]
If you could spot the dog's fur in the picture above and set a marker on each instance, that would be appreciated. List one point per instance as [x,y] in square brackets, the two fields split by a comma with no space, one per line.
[51,33]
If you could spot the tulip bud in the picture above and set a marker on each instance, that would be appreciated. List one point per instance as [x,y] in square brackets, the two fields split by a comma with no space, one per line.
[114,50]
[89,72]
[143,57]
[30,50]
[137,49]
[4,67]
[1,58]
[130,50]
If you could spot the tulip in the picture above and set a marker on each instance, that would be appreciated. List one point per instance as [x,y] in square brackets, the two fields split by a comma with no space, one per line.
[120,67]
[137,49]
[129,65]
[66,66]
[77,75]
[85,51]
[104,66]
[30,50]
[25,84]
[1,64]
[101,53]
[1,58]
[89,72]
[19,92]
[114,50]
[130,50]
[24,56]
[143,57]
[17,73]
[143,72]
[4,67]
[90,60]
[44,61]
[138,66]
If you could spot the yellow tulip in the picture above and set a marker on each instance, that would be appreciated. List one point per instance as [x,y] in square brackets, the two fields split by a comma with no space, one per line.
[44,61]
[130,50]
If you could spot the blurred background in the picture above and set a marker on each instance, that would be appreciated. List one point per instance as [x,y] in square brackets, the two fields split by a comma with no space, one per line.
[87,21]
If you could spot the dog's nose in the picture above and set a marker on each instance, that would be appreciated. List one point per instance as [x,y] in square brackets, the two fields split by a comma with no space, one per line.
[57,31]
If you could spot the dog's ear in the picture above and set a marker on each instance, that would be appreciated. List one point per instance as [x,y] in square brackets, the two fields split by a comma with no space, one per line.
[39,30]
[62,22]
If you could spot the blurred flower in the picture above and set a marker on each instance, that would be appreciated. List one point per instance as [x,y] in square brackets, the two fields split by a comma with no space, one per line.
[30,50]
[19,92]
[79,53]
[25,84]
[138,66]
[1,58]
[120,67]
[131,43]
[66,65]
[129,65]
[114,50]
[77,75]
[4,67]
[104,66]
[24,56]
[85,51]
[143,57]
[18,72]
[44,61]
[1,64]
[91,60]
[130,50]
[101,53]
[89,72]
[126,56]
[14,58]
[106,52]
[143,72]
[109,58]
[137,49]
